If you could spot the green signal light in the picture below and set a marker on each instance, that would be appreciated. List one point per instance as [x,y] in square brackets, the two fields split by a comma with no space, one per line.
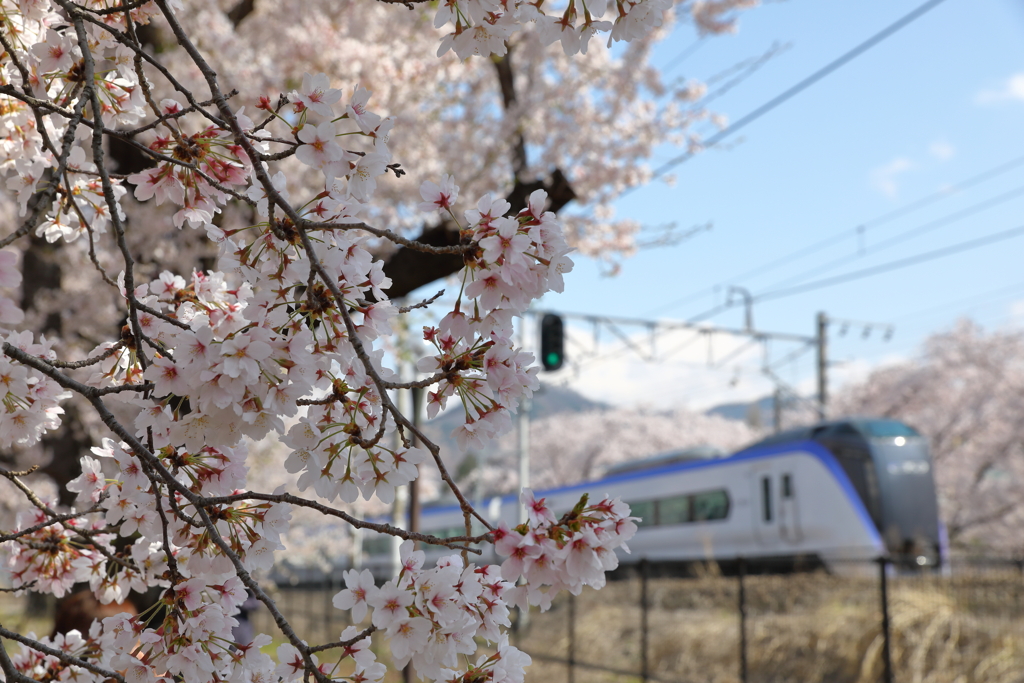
[552,342]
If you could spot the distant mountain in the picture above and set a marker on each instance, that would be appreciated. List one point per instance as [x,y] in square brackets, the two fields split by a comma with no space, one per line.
[548,400]
[760,411]
[553,399]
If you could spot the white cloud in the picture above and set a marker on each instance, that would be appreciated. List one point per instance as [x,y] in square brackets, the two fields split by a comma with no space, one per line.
[1011,89]
[612,372]
[941,150]
[883,178]
[677,377]
[1016,312]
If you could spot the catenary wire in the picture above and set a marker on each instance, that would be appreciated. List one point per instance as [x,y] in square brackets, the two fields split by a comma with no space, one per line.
[892,265]
[887,217]
[990,296]
[867,272]
[683,56]
[907,234]
[798,88]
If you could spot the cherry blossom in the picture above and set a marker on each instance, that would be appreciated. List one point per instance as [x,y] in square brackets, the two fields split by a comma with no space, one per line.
[317,95]
[356,596]
[271,322]
[439,197]
[318,148]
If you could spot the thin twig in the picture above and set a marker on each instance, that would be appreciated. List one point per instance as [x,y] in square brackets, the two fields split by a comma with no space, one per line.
[75,365]
[56,519]
[366,633]
[371,371]
[422,304]
[163,316]
[453,543]
[63,657]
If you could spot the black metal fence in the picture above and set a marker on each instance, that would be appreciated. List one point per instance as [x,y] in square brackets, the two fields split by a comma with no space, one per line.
[862,622]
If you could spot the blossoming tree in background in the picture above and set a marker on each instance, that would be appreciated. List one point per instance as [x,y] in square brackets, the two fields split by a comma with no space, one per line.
[281,337]
[965,394]
[573,447]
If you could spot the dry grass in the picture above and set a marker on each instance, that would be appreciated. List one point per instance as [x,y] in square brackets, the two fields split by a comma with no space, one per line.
[805,628]
[16,616]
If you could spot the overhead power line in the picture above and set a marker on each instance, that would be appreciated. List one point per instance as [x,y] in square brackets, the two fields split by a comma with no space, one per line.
[986,297]
[887,217]
[683,56]
[909,234]
[893,265]
[867,272]
[799,87]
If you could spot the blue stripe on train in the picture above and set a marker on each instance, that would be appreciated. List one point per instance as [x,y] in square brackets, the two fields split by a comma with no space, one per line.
[810,447]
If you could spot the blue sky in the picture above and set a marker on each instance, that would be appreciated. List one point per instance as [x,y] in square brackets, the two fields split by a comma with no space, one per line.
[935,104]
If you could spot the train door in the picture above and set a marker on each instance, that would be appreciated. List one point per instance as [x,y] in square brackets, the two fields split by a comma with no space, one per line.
[789,507]
[776,507]
[765,514]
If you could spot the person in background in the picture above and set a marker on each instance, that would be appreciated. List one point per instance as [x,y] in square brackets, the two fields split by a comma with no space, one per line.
[77,611]
[243,633]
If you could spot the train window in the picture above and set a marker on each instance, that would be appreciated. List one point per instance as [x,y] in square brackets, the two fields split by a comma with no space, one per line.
[766,498]
[450,532]
[887,429]
[377,545]
[710,505]
[843,429]
[874,501]
[787,486]
[646,510]
[674,510]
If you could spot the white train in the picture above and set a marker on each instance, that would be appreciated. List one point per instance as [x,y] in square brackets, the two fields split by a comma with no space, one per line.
[849,490]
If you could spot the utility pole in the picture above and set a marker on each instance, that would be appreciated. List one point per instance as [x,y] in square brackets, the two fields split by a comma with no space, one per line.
[414,491]
[822,365]
[416,397]
[748,305]
[400,508]
[523,416]
[777,410]
[818,342]
[523,429]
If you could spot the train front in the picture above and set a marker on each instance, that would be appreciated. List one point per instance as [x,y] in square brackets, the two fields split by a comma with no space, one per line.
[909,519]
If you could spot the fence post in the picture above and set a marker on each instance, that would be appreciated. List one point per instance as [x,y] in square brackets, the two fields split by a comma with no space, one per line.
[741,564]
[644,607]
[325,595]
[311,595]
[883,564]
[572,638]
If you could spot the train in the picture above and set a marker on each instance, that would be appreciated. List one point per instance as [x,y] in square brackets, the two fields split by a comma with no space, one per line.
[829,495]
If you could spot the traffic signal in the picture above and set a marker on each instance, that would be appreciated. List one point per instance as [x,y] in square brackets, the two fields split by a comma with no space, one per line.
[552,341]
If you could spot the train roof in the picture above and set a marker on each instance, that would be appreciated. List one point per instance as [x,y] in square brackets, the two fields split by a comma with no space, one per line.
[702,452]
[868,427]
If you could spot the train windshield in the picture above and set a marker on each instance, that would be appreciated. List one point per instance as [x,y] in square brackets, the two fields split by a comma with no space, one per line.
[886,429]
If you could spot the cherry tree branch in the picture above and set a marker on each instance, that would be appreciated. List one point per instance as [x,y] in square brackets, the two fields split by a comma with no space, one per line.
[422,304]
[388,529]
[84,533]
[55,519]
[145,455]
[75,365]
[365,633]
[371,371]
